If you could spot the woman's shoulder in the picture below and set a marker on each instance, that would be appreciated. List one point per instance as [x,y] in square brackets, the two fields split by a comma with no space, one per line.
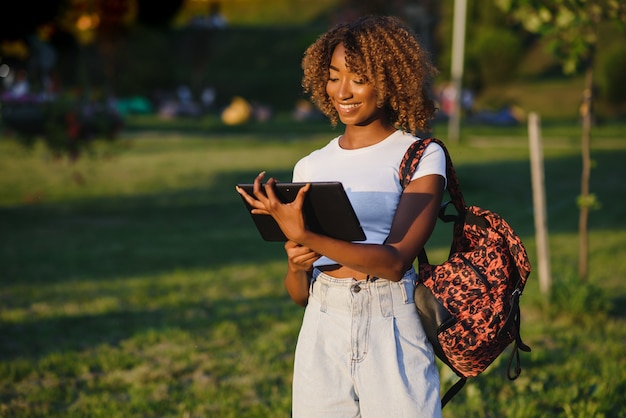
[305,163]
[403,140]
[408,139]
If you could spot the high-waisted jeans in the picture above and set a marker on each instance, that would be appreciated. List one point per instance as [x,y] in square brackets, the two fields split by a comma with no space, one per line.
[362,352]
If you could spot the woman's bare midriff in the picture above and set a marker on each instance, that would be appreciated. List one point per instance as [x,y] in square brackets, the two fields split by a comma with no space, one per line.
[341,272]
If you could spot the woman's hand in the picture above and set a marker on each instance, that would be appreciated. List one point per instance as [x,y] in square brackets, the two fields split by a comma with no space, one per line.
[265,202]
[300,258]
[300,261]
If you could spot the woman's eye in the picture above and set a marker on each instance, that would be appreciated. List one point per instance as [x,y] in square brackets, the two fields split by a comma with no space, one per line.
[332,79]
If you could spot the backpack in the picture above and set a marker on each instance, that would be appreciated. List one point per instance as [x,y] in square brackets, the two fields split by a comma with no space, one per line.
[469,305]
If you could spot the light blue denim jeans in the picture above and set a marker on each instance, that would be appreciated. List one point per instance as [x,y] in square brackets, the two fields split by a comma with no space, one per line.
[362,352]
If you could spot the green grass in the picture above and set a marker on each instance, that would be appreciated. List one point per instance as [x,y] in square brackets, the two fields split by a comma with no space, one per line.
[133,283]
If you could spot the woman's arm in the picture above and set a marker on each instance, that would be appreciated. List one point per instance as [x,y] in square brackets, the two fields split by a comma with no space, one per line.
[413,224]
[299,269]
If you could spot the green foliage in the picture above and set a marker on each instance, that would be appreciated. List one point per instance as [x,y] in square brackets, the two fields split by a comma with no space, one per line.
[147,63]
[571,297]
[258,55]
[270,12]
[496,53]
[570,27]
[260,64]
[590,201]
[611,70]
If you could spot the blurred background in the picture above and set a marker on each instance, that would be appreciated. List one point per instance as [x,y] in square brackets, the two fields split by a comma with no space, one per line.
[189,58]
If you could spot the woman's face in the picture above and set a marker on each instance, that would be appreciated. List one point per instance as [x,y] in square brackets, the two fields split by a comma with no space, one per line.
[353,97]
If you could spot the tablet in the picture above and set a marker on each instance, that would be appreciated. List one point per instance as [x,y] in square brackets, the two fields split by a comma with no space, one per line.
[327,210]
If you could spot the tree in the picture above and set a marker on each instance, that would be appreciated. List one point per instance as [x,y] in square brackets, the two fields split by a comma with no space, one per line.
[571,29]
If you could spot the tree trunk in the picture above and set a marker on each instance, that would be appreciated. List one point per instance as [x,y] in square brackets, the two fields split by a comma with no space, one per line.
[585,200]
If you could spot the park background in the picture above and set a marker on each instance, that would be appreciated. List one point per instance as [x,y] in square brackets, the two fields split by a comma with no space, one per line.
[132,281]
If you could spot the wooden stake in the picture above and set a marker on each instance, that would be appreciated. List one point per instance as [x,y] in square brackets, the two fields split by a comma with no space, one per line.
[539,203]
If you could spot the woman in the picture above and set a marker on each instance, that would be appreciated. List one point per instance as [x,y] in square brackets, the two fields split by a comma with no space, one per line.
[361,349]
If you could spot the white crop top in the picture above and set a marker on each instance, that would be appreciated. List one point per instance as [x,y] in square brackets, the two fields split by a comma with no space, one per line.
[370,177]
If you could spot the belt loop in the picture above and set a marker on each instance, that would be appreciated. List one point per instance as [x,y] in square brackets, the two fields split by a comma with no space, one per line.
[403,284]
[314,275]
[409,282]
[322,296]
[385,298]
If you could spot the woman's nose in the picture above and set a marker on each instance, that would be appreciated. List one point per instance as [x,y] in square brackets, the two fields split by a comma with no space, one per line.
[345,92]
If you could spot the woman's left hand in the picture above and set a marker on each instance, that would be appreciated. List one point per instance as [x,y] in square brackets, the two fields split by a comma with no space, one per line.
[265,202]
[300,258]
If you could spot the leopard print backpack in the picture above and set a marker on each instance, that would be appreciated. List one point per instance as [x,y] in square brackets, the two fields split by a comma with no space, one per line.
[469,305]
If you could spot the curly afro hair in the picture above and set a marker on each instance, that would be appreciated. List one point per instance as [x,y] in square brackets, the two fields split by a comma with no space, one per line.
[386,53]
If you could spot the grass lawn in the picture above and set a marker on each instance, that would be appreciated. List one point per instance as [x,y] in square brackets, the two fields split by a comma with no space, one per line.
[133,283]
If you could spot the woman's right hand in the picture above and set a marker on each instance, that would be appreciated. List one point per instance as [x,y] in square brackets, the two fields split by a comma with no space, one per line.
[264,201]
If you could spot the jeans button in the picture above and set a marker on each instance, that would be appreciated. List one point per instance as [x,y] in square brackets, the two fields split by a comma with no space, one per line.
[356,288]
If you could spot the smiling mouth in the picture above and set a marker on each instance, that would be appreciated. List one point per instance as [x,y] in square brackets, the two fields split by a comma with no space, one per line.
[348,107]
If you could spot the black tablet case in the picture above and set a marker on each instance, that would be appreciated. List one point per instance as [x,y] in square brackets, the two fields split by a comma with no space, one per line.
[327,210]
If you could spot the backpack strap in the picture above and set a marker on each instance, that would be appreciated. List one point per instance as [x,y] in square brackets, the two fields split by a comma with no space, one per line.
[409,165]
[454,389]
[514,317]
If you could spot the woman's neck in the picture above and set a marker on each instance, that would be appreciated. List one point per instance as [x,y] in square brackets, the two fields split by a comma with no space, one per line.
[355,137]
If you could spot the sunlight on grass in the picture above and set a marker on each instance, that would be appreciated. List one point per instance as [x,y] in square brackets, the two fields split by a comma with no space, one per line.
[135,284]
[147,166]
